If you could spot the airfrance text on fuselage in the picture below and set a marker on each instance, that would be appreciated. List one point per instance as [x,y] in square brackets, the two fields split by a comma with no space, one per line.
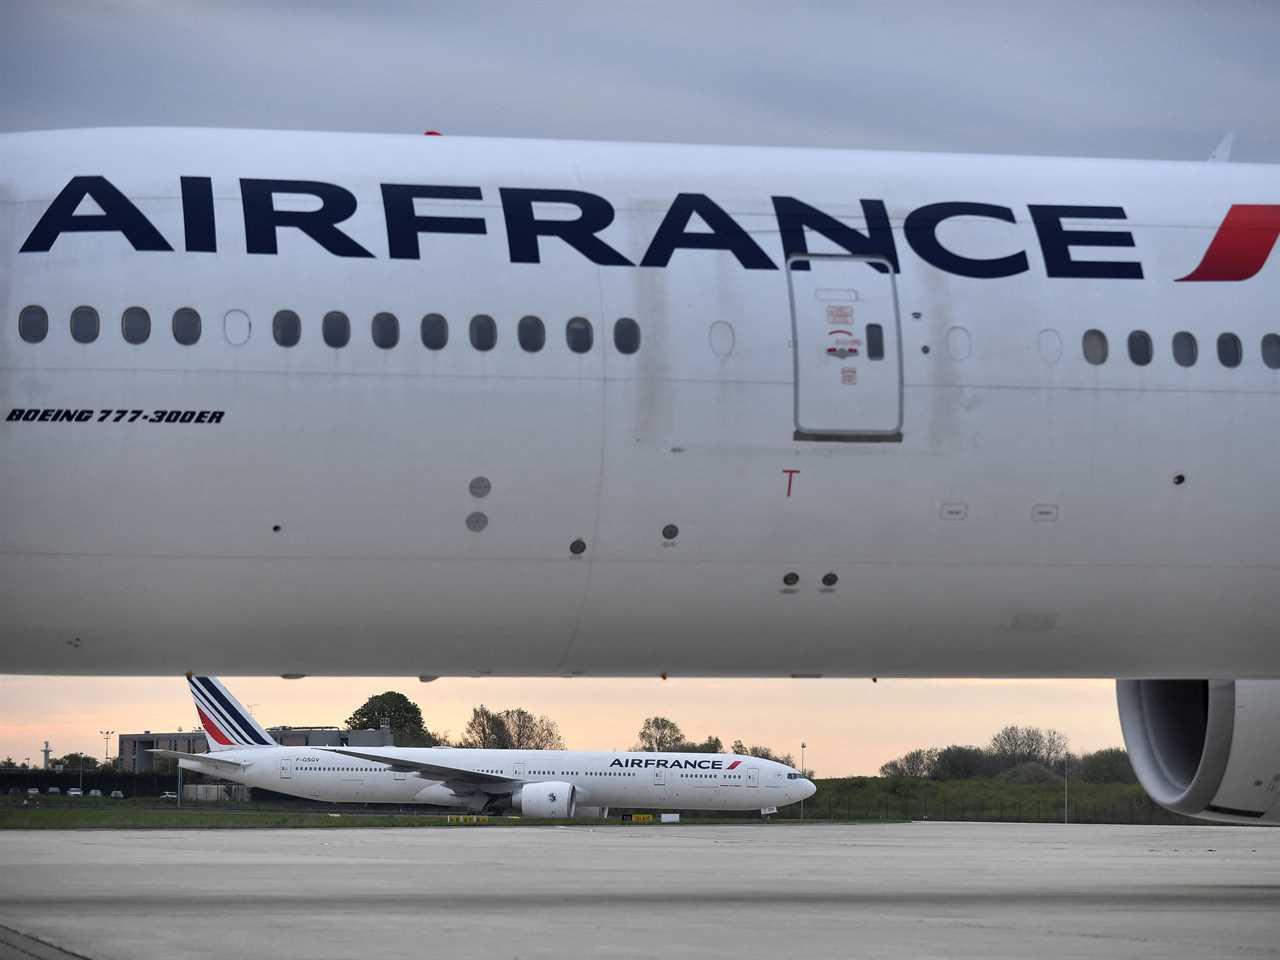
[525,227]
[1240,246]
[688,764]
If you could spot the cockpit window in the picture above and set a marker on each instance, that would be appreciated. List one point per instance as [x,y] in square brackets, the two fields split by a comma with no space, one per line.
[795,776]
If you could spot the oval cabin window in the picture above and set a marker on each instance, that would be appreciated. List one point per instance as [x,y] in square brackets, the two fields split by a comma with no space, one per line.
[531,333]
[1095,347]
[1185,349]
[435,331]
[286,327]
[386,330]
[33,324]
[1230,352]
[84,324]
[1140,349]
[578,335]
[336,329]
[626,335]
[135,325]
[484,332]
[186,326]
[1271,351]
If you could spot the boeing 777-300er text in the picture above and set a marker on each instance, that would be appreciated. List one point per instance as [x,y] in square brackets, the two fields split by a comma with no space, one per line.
[304,403]
[536,783]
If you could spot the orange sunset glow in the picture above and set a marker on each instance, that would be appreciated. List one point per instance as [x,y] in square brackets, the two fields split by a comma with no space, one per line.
[850,726]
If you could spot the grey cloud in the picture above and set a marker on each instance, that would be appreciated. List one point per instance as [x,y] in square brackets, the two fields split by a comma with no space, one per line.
[1142,79]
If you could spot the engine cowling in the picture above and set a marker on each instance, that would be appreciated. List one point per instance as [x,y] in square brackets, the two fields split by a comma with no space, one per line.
[1205,748]
[553,799]
[437,794]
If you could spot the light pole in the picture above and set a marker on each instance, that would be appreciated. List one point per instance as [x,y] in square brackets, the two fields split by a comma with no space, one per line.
[1066,760]
[106,745]
[802,746]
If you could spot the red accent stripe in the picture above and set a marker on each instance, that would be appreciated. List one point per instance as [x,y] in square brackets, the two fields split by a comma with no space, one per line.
[1241,245]
[212,730]
[734,764]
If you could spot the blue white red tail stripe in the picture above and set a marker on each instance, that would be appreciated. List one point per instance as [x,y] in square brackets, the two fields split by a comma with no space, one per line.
[225,722]
[233,711]
[212,713]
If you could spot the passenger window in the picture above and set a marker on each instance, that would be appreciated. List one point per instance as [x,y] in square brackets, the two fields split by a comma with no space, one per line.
[875,341]
[135,326]
[531,334]
[1230,352]
[578,334]
[286,328]
[626,335]
[33,324]
[435,331]
[1185,349]
[484,332]
[336,329]
[1095,347]
[84,324]
[1271,351]
[386,330]
[1140,350]
[186,326]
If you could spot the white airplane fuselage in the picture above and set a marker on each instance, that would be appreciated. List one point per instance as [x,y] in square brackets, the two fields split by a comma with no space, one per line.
[751,492]
[654,781]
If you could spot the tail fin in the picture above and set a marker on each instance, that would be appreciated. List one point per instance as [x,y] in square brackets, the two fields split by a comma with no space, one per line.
[227,725]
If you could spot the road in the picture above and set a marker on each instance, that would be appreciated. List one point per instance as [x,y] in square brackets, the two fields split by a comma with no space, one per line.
[809,891]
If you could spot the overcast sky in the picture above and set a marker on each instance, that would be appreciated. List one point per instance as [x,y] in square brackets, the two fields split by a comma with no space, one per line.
[1133,79]
[1157,80]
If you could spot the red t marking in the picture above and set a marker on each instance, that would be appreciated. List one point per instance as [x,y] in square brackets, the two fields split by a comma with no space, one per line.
[791,475]
[1241,245]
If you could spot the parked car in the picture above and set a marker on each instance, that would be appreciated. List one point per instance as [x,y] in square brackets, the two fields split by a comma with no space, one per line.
[33,791]
[117,794]
[168,795]
[95,793]
[54,790]
[75,792]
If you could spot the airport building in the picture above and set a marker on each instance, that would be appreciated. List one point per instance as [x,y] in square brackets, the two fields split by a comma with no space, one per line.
[133,748]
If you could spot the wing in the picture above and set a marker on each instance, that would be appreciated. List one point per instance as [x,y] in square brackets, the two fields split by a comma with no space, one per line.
[431,771]
[202,757]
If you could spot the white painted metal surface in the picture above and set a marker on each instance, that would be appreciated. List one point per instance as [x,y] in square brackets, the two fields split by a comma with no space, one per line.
[1027,524]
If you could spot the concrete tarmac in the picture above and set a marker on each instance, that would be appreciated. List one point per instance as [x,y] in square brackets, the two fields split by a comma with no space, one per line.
[779,891]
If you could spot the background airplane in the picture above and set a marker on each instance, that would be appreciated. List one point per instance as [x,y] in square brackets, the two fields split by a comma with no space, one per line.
[536,783]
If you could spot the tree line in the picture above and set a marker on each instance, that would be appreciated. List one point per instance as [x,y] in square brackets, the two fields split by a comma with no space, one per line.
[518,729]
[514,729]
[662,735]
[1026,753]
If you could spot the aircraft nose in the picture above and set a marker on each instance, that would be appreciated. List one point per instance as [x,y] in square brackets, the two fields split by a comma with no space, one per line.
[808,790]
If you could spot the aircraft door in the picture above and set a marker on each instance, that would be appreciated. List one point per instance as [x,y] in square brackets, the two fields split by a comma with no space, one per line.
[659,778]
[286,769]
[847,348]
[753,776]
[517,769]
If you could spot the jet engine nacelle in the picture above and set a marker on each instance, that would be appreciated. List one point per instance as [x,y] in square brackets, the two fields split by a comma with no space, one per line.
[1205,748]
[583,812]
[548,798]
